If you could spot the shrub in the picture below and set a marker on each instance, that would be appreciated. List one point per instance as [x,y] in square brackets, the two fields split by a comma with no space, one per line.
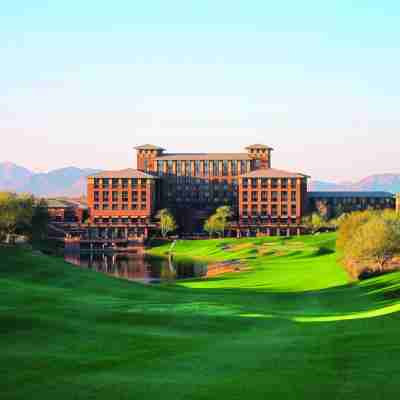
[369,241]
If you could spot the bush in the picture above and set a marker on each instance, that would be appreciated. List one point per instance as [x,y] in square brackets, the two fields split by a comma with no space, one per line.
[369,241]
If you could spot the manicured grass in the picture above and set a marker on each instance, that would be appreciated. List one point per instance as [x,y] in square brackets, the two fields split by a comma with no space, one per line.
[290,327]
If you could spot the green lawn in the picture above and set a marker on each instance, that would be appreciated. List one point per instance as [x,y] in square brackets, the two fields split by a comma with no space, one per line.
[292,326]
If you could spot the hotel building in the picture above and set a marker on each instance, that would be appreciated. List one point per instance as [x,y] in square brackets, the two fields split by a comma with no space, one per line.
[192,185]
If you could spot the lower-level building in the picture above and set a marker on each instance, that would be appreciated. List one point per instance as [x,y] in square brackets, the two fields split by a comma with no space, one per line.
[333,204]
[65,211]
[122,205]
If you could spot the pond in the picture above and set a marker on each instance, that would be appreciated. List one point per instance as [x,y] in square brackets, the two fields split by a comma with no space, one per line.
[139,267]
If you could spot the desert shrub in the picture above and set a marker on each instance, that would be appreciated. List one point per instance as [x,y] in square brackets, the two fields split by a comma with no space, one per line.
[369,241]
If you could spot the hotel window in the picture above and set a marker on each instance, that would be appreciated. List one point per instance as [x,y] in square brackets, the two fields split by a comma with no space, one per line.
[197,167]
[243,167]
[234,167]
[254,210]
[96,196]
[248,166]
[255,164]
[284,209]
[146,165]
[293,211]
[188,168]
[274,210]
[264,183]
[245,183]
[115,206]
[225,168]
[124,196]
[254,196]
[264,210]
[206,166]
[124,183]
[179,168]
[264,196]
[134,196]
[245,196]
[160,168]
[284,183]
[293,196]
[115,196]
[134,206]
[96,206]
[254,183]
[284,196]
[134,182]
[96,183]
[105,206]
[106,183]
[274,196]
[115,183]
[124,206]
[170,167]
[293,183]
[106,196]
[143,197]
[274,183]
[245,209]
[215,168]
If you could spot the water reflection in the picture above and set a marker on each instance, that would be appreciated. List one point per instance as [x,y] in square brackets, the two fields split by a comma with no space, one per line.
[139,267]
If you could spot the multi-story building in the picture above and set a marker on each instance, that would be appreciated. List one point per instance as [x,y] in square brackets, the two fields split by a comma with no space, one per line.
[121,203]
[195,184]
[271,202]
[264,200]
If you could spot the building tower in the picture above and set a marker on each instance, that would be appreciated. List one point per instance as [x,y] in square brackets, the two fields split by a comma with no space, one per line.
[146,155]
[261,155]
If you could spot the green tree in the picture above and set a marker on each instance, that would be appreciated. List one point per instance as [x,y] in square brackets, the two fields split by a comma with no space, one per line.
[223,215]
[15,214]
[214,225]
[40,219]
[375,242]
[167,222]
[349,224]
[314,223]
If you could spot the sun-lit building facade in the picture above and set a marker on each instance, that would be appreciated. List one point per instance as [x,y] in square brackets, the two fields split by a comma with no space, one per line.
[264,200]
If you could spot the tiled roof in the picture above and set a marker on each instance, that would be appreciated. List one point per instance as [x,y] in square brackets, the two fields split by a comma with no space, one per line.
[258,146]
[272,173]
[378,195]
[148,147]
[204,156]
[124,173]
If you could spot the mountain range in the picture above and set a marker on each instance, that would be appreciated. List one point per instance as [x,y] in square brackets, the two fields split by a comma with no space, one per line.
[372,183]
[71,182]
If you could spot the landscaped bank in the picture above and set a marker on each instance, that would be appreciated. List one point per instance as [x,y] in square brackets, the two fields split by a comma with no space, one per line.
[291,326]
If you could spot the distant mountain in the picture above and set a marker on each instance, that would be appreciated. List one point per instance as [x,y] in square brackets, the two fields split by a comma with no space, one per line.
[13,177]
[373,183]
[69,181]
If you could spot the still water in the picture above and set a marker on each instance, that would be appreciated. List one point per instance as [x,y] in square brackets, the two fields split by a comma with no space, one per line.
[139,267]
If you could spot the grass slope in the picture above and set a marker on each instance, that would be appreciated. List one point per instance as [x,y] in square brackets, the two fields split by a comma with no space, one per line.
[291,327]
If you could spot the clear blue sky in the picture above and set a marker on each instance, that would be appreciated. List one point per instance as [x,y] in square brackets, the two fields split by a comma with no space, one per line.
[82,82]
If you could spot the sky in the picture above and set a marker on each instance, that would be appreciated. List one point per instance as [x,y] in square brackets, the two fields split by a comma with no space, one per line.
[83,82]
